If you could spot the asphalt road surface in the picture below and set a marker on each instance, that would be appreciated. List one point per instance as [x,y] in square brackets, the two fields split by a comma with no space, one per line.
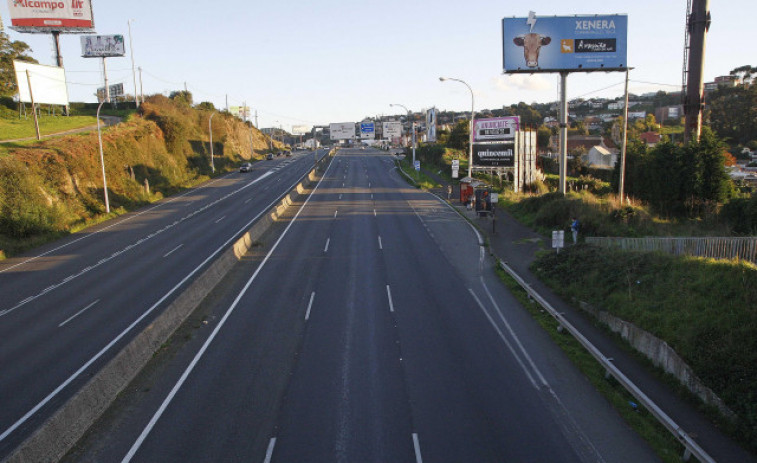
[67,308]
[371,328]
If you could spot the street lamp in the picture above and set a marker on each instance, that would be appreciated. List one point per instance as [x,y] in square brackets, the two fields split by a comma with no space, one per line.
[102,159]
[412,126]
[210,129]
[472,117]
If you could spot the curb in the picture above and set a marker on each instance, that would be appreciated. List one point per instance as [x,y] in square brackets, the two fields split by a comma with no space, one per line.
[59,433]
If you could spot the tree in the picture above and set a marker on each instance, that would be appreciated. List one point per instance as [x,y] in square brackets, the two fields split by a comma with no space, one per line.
[733,113]
[11,50]
[181,96]
[460,135]
[543,134]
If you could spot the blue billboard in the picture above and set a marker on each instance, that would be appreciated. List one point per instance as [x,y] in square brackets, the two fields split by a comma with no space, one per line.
[564,43]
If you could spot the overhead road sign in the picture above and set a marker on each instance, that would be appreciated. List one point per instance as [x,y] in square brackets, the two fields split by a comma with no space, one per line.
[74,16]
[392,130]
[342,131]
[367,130]
[496,128]
[564,43]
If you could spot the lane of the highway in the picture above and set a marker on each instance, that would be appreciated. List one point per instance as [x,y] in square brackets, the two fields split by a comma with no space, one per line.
[89,294]
[379,304]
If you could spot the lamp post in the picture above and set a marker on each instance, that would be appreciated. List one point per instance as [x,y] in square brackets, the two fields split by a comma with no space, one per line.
[210,130]
[102,159]
[472,117]
[133,72]
[412,127]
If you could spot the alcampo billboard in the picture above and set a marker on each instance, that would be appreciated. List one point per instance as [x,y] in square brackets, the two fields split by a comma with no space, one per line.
[564,43]
[52,15]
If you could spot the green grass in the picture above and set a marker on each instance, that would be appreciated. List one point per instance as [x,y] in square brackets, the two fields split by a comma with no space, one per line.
[22,128]
[421,180]
[661,441]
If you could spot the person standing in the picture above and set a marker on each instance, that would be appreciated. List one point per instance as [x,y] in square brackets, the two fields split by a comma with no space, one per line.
[574,226]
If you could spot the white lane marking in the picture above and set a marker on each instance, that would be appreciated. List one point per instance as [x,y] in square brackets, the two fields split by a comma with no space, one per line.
[512,333]
[123,333]
[374,212]
[380,245]
[220,219]
[417,446]
[369,184]
[389,295]
[78,313]
[100,230]
[129,247]
[340,196]
[145,432]
[371,195]
[310,305]
[172,251]
[326,248]
[269,452]
[342,184]
[335,213]
[248,201]
[504,339]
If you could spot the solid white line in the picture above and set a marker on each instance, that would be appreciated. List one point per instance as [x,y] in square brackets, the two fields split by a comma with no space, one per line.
[172,250]
[78,313]
[220,219]
[135,447]
[326,248]
[389,295]
[269,452]
[123,333]
[380,245]
[310,305]
[417,447]
[502,336]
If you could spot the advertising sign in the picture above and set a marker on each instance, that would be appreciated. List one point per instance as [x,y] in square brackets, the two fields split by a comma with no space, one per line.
[102,46]
[48,83]
[431,125]
[494,154]
[342,131]
[392,130]
[367,131]
[57,15]
[564,43]
[496,129]
[300,129]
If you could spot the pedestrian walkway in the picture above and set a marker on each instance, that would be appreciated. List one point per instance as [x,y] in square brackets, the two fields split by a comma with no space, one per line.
[517,245]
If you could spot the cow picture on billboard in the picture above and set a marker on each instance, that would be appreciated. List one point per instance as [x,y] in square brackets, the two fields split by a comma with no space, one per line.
[531,44]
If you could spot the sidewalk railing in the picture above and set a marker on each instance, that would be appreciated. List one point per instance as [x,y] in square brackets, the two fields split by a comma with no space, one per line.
[715,247]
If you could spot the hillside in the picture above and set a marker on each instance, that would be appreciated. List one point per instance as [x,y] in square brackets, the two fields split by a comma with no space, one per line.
[54,187]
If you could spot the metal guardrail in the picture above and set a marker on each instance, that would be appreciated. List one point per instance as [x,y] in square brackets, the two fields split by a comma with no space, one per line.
[744,248]
[691,447]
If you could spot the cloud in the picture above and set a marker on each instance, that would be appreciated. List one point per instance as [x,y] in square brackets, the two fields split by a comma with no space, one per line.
[523,82]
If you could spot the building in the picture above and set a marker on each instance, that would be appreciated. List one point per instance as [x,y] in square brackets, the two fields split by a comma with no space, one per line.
[650,138]
[600,156]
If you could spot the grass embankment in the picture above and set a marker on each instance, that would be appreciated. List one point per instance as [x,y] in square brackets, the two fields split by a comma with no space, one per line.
[704,309]
[54,187]
[11,129]
[421,180]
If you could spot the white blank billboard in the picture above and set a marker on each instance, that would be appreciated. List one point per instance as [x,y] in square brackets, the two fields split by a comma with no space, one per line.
[342,131]
[48,83]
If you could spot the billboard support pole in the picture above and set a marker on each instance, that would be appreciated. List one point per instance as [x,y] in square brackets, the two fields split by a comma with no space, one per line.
[563,130]
[133,73]
[56,42]
[105,77]
[621,188]
[34,110]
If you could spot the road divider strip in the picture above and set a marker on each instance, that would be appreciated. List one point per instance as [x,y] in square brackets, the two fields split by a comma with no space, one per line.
[60,432]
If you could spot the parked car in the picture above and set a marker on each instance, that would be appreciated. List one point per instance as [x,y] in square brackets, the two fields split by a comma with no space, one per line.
[246,167]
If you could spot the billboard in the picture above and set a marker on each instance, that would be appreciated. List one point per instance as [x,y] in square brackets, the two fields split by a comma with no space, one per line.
[48,83]
[242,112]
[494,154]
[367,131]
[392,130]
[496,128]
[300,129]
[102,46]
[115,91]
[342,131]
[564,43]
[60,15]
[431,125]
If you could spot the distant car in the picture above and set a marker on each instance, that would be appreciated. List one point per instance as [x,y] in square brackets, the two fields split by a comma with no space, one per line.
[279,153]
[246,167]
[269,156]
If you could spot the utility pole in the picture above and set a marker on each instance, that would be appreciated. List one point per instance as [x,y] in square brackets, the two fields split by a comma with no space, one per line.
[133,74]
[141,89]
[697,24]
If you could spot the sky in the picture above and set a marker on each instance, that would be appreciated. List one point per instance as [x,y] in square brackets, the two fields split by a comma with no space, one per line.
[313,63]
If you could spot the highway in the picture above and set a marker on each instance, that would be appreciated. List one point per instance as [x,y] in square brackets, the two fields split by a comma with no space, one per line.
[371,328]
[67,308]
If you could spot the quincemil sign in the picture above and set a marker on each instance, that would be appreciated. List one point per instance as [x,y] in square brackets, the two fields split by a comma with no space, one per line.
[342,130]
[494,154]
[564,43]
[496,128]
[52,15]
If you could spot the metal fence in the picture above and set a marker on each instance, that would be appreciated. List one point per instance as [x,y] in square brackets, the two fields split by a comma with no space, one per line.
[714,247]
